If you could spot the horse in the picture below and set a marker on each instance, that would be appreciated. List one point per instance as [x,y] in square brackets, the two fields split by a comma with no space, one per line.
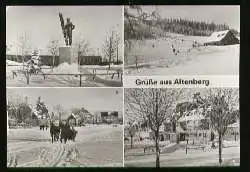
[54,131]
[67,133]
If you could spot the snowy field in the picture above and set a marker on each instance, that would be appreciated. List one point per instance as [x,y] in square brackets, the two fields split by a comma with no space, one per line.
[230,156]
[176,157]
[65,80]
[172,154]
[95,146]
[156,57]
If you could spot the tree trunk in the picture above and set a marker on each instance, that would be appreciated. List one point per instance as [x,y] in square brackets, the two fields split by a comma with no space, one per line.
[53,62]
[136,62]
[117,54]
[23,61]
[235,136]
[131,142]
[220,148]
[110,49]
[157,152]
[174,126]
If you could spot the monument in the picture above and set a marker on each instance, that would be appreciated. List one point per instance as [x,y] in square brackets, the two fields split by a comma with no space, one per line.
[65,53]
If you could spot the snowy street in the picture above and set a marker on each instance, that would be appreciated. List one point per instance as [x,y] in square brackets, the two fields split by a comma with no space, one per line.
[98,146]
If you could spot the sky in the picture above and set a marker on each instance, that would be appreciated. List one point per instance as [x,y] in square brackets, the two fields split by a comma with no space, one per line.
[219,14]
[41,24]
[92,99]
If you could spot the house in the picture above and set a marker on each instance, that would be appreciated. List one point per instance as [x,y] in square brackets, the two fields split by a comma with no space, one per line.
[233,130]
[104,117]
[88,118]
[172,137]
[72,119]
[110,117]
[226,37]
[89,60]
[113,117]
[12,122]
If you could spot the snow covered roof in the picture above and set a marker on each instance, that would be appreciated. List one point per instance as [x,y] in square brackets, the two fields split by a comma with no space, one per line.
[234,125]
[144,134]
[9,62]
[217,36]
[193,117]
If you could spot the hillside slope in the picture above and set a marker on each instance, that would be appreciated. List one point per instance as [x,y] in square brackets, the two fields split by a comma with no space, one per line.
[156,57]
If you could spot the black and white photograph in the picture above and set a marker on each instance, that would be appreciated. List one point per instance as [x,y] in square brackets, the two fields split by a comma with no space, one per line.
[64,46]
[181,127]
[65,127]
[181,40]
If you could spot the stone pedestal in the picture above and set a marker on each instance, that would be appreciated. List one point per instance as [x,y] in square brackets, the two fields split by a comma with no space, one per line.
[65,55]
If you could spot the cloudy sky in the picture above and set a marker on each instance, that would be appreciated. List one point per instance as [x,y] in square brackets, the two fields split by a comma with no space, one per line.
[41,23]
[218,14]
[93,99]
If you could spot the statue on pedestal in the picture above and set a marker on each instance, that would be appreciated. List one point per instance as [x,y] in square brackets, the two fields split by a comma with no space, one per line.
[67,30]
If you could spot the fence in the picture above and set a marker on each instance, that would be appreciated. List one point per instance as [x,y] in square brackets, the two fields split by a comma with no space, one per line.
[93,75]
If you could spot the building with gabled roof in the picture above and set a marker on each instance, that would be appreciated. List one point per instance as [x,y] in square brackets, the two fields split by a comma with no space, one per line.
[226,37]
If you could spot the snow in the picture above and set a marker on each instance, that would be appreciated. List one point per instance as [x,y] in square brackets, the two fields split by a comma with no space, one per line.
[9,62]
[94,146]
[179,158]
[217,36]
[66,68]
[234,125]
[193,117]
[62,80]
[112,66]
[161,60]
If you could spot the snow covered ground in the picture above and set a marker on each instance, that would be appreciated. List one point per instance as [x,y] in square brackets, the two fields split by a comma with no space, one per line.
[94,146]
[179,158]
[65,80]
[156,57]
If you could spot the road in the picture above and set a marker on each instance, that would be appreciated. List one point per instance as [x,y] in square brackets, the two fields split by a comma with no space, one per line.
[97,146]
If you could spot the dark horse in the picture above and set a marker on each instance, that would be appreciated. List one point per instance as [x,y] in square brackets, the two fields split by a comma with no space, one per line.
[67,133]
[54,132]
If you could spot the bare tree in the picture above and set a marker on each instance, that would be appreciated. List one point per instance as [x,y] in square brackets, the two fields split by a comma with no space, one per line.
[82,47]
[24,45]
[109,46]
[155,106]
[222,104]
[130,128]
[118,41]
[53,49]
[59,109]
